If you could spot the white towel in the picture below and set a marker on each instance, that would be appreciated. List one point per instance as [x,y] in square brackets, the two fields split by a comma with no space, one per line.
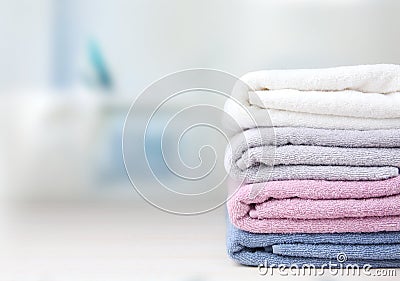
[378,78]
[353,97]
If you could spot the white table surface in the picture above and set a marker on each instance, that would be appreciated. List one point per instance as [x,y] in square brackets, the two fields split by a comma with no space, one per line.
[125,241]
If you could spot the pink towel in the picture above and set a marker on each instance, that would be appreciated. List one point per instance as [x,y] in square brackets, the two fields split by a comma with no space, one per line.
[314,206]
[297,208]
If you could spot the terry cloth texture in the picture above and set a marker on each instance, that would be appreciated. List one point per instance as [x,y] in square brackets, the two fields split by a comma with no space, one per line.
[379,249]
[302,153]
[264,173]
[279,136]
[316,206]
[314,159]
[353,97]
[312,189]
[378,78]
[316,155]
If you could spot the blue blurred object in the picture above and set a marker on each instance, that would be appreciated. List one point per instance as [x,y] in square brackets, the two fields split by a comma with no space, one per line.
[96,59]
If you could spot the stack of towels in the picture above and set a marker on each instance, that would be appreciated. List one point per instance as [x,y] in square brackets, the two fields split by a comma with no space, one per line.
[315,167]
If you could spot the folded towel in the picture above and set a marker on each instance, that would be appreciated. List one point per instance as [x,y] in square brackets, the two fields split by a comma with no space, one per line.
[379,249]
[253,117]
[264,173]
[311,189]
[378,78]
[279,136]
[316,155]
[355,97]
[373,251]
[307,153]
[306,146]
[337,103]
[308,209]
[313,154]
[317,206]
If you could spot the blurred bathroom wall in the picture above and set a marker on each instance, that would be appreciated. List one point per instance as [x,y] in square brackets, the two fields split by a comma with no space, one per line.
[46,42]
[70,69]
[25,44]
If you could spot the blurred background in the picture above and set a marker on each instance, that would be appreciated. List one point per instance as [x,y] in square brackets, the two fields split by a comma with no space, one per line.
[69,70]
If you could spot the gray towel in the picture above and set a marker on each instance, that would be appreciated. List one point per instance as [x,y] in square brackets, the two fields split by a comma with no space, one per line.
[306,153]
[309,136]
[317,155]
[263,173]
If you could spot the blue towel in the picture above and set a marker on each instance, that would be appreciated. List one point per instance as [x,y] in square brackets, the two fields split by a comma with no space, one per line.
[379,249]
